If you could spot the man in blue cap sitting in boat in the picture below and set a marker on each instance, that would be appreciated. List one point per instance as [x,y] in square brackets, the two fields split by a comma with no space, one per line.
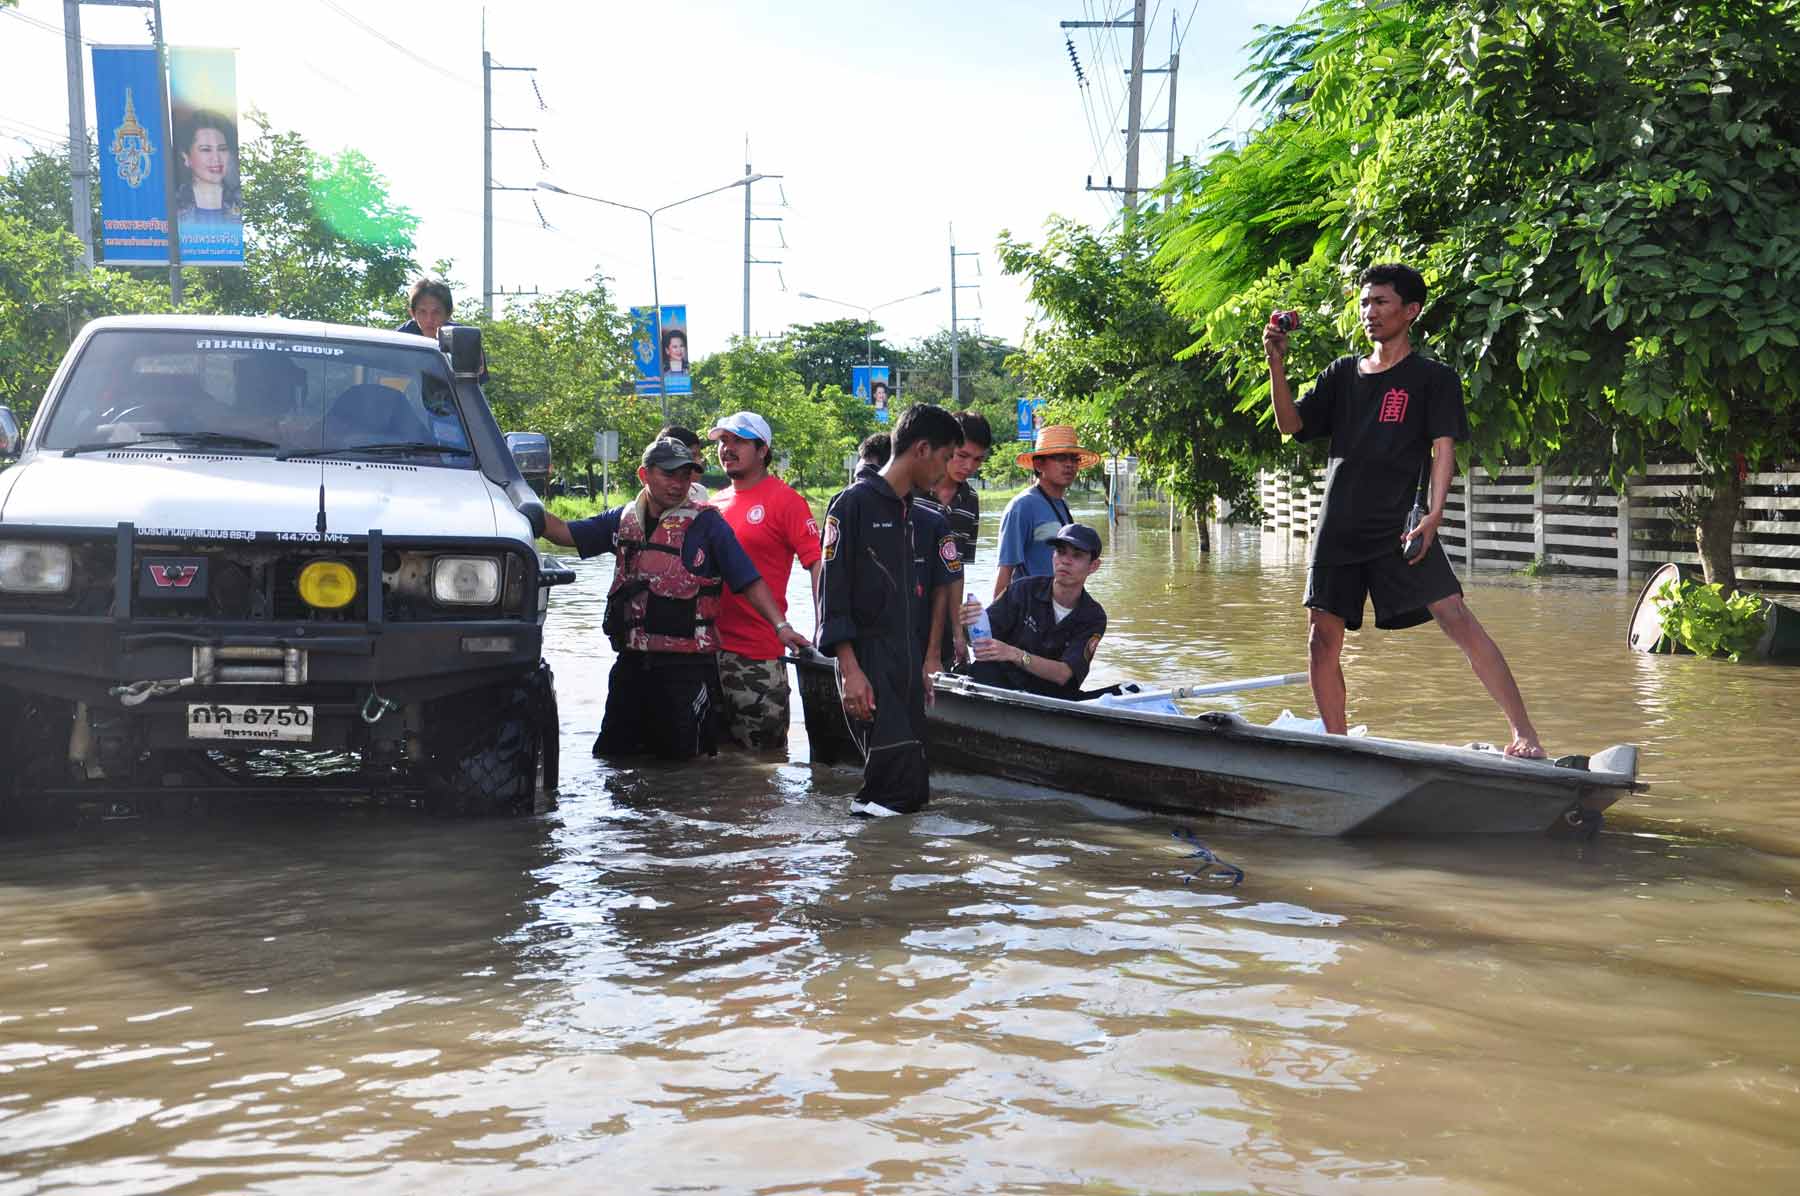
[1044,631]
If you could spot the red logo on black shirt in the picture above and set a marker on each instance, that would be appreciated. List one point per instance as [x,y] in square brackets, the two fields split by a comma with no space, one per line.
[1393,407]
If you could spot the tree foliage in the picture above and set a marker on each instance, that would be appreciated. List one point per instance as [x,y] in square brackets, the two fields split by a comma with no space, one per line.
[322,239]
[45,298]
[1108,353]
[561,365]
[1602,197]
[813,427]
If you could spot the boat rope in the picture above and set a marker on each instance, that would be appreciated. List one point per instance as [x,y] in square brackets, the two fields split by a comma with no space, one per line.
[1212,869]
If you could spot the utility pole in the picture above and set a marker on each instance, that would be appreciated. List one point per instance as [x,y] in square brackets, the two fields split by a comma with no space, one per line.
[955,323]
[81,196]
[488,129]
[1173,71]
[1169,124]
[168,139]
[1135,105]
[749,220]
[1135,114]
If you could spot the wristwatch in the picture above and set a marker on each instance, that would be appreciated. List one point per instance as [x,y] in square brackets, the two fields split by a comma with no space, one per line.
[1024,660]
[784,625]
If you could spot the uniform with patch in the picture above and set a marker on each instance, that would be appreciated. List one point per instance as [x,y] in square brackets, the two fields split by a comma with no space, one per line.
[936,564]
[867,601]
[1025,617]
[775,526]
[963,515]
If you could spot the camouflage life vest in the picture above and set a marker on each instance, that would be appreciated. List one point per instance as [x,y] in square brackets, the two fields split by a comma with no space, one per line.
[655,604]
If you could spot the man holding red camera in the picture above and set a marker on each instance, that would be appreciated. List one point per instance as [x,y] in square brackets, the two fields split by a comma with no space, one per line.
[1393,418]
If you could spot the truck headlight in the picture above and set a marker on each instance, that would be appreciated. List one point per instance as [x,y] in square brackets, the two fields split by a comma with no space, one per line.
[466,580]
[28,567]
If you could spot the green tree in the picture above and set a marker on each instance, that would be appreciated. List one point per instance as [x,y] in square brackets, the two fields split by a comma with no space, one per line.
[813,427]
[1603,198]
[322,239]
[1109,354]
[825,353]
[36,189]
[45,298]
[561,365]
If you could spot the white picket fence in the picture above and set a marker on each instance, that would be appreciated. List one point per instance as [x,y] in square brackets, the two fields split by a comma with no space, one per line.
[1522,514]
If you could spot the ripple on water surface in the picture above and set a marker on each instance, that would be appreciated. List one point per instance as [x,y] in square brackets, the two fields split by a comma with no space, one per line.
[711,979]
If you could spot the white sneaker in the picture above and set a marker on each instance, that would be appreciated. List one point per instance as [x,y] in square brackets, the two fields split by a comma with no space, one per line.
[871,809]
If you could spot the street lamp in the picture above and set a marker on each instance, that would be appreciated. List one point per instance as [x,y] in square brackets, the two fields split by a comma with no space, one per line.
[869,315]
[650,215]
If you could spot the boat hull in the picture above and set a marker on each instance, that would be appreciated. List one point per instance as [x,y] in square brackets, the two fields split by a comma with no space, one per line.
[1219,764]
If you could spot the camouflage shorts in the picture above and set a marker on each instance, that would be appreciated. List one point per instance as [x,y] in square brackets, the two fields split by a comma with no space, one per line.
[756,701]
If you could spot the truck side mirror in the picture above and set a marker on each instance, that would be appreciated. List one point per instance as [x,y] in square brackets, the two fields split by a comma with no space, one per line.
[462,345]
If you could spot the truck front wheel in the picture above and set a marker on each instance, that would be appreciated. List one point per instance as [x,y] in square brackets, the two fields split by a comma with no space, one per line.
[488,750]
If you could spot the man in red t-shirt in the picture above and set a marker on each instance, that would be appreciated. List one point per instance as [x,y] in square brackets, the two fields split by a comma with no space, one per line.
[774,525]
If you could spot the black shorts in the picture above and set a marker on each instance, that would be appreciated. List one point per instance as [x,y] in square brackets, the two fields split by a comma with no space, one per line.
[1401,591]
[662,704]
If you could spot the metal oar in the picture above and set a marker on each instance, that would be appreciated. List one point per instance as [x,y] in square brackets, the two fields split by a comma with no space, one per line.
[1217,687]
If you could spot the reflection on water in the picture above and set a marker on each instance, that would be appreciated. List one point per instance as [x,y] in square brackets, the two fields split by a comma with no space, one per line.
[710,979]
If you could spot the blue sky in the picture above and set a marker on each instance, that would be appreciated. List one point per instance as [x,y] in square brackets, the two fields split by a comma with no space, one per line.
[890,123]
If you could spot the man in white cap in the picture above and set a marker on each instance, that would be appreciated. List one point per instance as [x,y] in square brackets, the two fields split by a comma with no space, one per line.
[775,526]
[1038,513]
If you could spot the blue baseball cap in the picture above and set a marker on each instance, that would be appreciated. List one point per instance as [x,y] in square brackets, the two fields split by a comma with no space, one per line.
[745,425]
[1078,535]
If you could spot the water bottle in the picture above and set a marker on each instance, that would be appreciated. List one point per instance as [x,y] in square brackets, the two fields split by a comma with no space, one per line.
[980,629]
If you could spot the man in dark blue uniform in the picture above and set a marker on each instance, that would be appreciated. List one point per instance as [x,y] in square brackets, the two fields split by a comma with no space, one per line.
[1045,629]
[937,561]
[867,613]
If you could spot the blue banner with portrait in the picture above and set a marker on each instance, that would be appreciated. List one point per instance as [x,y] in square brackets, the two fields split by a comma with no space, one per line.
[870,384]
[209,195]
[134,213]
[672,341]
[659,350]
[1028,419]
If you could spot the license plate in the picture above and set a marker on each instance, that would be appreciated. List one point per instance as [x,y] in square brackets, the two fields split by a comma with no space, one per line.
[279,724]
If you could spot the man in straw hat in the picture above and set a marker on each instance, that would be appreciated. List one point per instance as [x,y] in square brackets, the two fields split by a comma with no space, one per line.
[1038,513]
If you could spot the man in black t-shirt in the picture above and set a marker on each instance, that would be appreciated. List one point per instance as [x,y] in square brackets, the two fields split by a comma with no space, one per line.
[1393,419]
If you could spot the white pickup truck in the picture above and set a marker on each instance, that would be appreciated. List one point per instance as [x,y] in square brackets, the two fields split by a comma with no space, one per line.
[236,554]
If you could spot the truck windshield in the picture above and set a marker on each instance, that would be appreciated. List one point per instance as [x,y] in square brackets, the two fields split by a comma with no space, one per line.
[259,395]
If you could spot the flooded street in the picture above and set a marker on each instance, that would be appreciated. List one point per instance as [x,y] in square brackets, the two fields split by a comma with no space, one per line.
[711,979]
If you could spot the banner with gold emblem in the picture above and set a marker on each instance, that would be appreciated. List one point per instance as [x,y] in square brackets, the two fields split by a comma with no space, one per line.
[134,213]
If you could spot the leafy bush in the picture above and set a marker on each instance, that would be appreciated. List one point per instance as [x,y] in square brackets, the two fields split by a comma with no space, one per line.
[1701,619]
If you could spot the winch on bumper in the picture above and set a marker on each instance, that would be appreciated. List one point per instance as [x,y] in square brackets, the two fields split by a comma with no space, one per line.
[159,651]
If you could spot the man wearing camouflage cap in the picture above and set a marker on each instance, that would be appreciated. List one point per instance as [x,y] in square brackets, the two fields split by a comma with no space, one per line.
[675,558]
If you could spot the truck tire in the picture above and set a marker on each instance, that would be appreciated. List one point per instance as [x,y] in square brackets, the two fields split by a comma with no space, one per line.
[492,747]
[549,736]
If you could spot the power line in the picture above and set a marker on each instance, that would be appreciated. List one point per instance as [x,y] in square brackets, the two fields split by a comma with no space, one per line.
[378,35]
[46,26]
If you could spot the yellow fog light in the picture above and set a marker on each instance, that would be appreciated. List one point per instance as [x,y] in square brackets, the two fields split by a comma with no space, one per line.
[327,585]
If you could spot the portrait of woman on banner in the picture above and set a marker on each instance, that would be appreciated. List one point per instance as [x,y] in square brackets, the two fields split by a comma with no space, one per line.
[675,351]
[206,149]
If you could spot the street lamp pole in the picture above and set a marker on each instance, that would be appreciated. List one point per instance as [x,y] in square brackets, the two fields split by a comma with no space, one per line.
[869,315]
[649,214]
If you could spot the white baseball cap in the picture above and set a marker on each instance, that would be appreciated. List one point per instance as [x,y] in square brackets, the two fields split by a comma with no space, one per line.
[746,425]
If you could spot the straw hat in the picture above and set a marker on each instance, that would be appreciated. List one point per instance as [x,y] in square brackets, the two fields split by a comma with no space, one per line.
[1058,438]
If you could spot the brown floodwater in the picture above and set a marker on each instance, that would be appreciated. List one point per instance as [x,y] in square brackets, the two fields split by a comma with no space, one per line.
[710,979]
